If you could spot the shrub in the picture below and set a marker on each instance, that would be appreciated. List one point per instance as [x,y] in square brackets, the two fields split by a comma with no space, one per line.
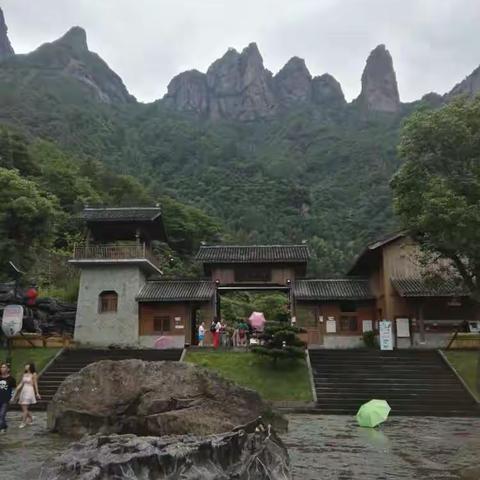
[369,339]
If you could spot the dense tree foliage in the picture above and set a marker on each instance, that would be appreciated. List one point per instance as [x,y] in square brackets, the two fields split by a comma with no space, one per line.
[437,190]
[43,190]
[238,306]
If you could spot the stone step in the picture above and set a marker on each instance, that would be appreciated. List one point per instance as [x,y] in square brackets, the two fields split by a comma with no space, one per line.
[413,382]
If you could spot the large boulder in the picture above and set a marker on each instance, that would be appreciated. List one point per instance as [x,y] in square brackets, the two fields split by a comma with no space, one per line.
[251,452]
[150,398]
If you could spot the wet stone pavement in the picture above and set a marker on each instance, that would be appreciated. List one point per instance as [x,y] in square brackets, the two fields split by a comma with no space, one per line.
[413,448]
[321,448]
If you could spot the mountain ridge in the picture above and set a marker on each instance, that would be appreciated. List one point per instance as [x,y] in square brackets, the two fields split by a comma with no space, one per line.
[276,158]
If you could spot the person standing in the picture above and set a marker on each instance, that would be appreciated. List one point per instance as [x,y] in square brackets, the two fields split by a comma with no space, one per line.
[27,393]
[215,329]
[7,386]
[201,334]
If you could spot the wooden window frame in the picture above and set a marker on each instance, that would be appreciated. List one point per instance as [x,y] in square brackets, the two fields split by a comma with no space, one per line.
[349,319]
[163,319]
[108,302]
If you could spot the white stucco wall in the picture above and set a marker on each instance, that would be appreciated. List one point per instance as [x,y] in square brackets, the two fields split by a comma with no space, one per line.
[104,329]
[342,341]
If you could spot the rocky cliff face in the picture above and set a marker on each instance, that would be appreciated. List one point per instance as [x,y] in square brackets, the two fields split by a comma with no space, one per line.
[240,87]
[379,83]
[6,49]
[70,57]
[188,92]
[327,92]
[293,82]
[470,86]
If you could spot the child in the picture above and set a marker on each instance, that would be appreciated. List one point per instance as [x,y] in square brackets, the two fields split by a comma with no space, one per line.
[201,334]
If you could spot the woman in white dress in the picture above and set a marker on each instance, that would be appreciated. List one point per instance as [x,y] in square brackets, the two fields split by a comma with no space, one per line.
[27,393]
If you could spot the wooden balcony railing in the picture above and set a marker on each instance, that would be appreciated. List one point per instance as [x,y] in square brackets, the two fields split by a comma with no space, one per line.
[114,252]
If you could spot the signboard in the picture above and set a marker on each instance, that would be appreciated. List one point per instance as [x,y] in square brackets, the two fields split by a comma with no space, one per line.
[367,326]
[403,328]
[12,320]
[331,325]
[178,322]
[386,335]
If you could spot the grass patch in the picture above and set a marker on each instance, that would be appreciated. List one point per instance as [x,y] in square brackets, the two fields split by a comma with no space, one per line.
[465,363]
[286,382]
[21,356]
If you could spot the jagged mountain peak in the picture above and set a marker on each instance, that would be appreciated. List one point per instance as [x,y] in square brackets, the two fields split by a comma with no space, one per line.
[327,91]
[75,38]
[293,82]
[6,49]
[379,83]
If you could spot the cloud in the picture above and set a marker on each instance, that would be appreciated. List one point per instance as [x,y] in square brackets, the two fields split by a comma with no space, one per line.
[147,42]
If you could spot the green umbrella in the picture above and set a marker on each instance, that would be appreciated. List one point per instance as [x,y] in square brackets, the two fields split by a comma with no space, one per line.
[373,413]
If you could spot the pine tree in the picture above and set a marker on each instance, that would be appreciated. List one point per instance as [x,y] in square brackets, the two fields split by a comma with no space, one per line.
[280,341]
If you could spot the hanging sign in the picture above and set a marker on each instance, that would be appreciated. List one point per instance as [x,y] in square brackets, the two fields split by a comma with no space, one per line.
[386,335]
[12,320]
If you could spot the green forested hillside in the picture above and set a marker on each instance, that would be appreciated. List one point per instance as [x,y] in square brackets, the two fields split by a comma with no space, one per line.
[313,173]
[42,191]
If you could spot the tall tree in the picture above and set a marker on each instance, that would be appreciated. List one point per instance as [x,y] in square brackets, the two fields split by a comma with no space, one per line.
[437,190]
[27,218]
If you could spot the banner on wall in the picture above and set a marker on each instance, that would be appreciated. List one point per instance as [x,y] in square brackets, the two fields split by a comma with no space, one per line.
[386,335]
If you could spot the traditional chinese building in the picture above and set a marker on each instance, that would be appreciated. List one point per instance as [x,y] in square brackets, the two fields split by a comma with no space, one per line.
[124,301]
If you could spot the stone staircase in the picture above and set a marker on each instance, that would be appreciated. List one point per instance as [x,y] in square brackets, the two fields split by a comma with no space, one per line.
[417,383]
[72,361]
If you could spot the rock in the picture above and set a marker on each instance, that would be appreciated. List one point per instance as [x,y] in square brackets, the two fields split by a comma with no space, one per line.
[75,39]
[379,84]
[70,57]
[6,49]
[252,452]
[150,398]
[327,92]
[293,82]
[188,92]
[470,86]
[470,473]
[240,87]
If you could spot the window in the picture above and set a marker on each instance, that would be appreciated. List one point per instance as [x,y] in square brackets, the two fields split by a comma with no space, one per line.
[348,323]
[348,306]
[107,302]
[161,324]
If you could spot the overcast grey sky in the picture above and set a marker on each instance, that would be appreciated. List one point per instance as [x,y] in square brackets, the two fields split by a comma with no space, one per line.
[434,43]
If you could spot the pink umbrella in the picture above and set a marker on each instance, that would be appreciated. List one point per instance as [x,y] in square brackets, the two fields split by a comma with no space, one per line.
[257,321]
[162,342]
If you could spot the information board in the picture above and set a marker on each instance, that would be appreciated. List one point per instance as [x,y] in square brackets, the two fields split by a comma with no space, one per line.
[12,320]
[403,328]
[386,335]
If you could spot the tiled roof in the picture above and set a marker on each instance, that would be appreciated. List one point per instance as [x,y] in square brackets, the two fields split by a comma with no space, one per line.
[177,290]
[253,254]
[419,287]
[125,214]
[332,289]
